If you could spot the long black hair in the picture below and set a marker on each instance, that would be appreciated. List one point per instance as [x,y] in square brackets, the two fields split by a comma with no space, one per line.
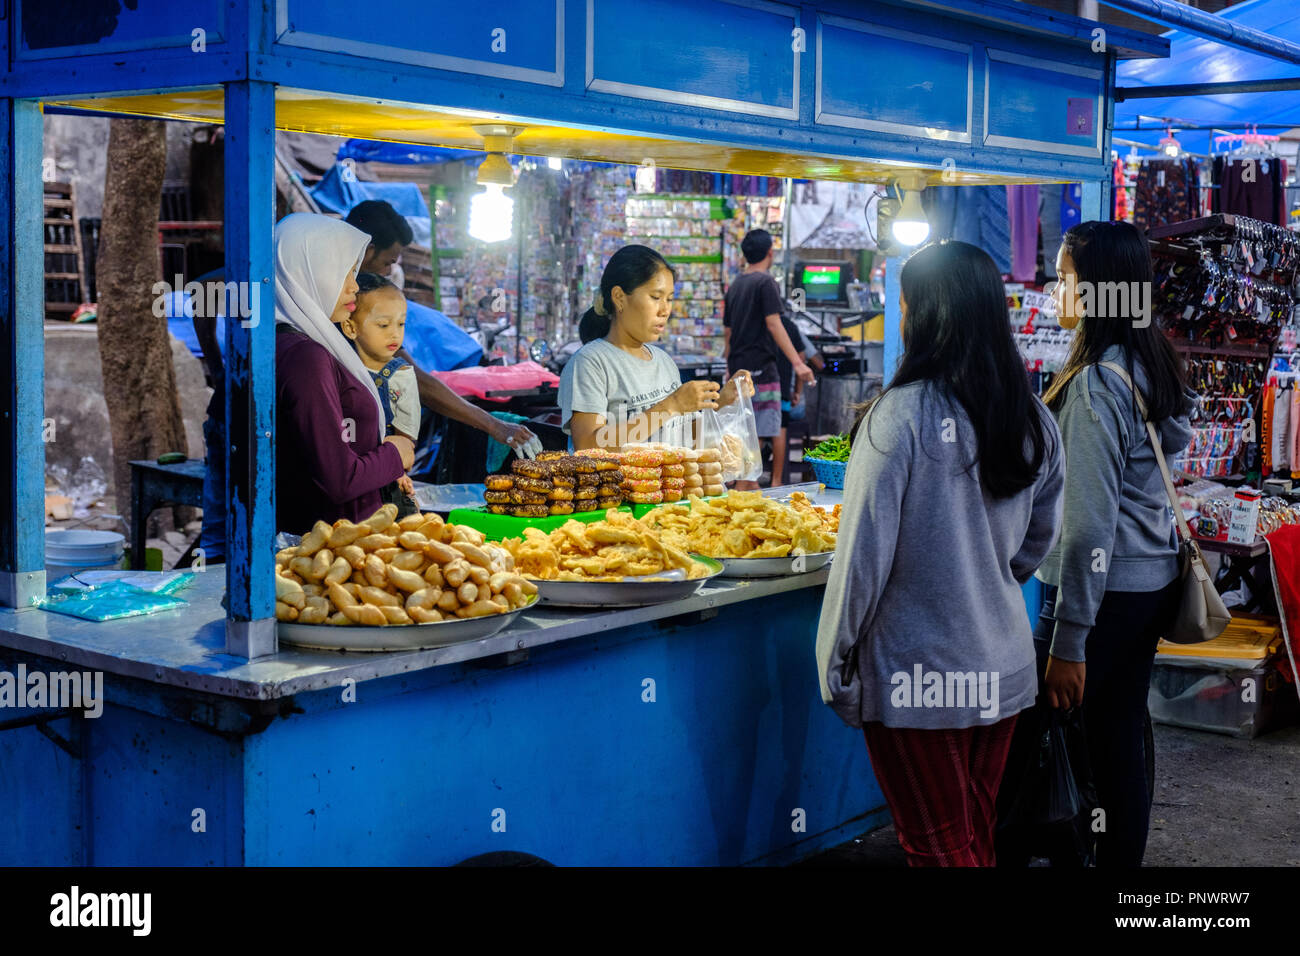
[957,337]
[1113,263]
[628,268]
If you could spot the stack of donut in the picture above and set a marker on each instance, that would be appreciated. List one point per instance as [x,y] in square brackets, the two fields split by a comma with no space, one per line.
[705,473]
[555,484]
[643,475]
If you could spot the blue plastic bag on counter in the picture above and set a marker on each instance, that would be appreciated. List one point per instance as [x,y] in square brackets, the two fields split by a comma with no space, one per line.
[109,602]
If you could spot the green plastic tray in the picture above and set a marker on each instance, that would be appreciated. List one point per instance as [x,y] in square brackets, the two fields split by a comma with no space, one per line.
[496,527]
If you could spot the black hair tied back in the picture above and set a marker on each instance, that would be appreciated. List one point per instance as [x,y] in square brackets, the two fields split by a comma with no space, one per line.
[628,269]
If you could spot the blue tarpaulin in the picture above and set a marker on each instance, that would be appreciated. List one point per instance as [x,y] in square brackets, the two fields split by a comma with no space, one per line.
[1196,59]
[340,190]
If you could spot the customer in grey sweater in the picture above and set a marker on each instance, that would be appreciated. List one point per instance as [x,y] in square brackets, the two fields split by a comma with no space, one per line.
[1113,577]
[952,498]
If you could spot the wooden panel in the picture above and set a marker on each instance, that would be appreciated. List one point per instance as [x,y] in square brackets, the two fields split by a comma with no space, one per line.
[509,39]
[692,53]
[1043,106]
[877,78]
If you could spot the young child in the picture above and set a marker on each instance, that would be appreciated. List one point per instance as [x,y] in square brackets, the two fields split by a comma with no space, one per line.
[376,329]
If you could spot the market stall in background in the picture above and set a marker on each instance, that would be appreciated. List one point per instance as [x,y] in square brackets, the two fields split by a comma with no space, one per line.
[636,687]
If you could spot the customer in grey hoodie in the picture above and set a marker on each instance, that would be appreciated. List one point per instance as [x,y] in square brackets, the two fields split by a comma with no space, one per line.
[951,499]
[1113,575]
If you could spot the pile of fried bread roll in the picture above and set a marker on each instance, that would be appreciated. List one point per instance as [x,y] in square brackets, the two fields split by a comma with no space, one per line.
[380,572]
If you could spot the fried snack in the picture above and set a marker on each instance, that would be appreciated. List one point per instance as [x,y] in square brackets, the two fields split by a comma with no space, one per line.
[530,511]
[615,476]
[584,505]
[605,550]
[551,455]
[499,509]
[674,471]
[671,496]
[714,491]
[708,468]
[561,507]
[604,503]
[674,484]
[499,482]
[344,533]
[496,497]
[583,465]
[438,571]
[585,493]
[562,466]
[539,485]
[709,456]
[672,455]
[609,491]
[530,469]
[643,487]
[560,494]
[635,473]
[520,497]
[690,469]
[588,480]
[646,497]
[642,458]
[607,464]
[745,525]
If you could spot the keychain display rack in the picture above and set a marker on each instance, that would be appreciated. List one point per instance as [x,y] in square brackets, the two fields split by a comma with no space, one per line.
[1224,291]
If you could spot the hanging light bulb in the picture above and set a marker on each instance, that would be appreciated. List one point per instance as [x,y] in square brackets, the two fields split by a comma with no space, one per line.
[491,214]
[1170,146]
[910,227]
[554,162]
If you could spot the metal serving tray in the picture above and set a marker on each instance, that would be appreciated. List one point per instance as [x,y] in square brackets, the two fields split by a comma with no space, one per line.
[404,637]
[775,567]
[652,589]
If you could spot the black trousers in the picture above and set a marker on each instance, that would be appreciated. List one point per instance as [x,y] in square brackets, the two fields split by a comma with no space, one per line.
[1120,650]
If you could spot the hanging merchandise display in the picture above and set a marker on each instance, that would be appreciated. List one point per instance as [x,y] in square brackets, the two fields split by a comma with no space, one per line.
[1224,294]
[974,214]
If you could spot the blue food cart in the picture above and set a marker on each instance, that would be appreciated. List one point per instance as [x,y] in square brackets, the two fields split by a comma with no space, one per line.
[683,733]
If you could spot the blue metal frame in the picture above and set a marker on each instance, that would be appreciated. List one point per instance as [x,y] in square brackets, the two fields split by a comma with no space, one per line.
[252,62]
[22,366]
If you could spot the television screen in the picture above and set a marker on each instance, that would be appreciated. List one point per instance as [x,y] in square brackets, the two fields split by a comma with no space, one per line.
[821,283]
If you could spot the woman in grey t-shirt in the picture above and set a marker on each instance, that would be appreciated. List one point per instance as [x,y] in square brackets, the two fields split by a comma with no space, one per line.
[619,388]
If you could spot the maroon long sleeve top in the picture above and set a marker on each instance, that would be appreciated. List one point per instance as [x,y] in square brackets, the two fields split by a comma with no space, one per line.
[321,475]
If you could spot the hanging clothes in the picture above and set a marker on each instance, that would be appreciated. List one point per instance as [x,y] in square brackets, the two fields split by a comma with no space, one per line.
[1280,439]
[1246,188]
[1120,192]
[1166,192]
[1293,428]
[973,214]
[1267,406]
[1022,211]
[1051,199]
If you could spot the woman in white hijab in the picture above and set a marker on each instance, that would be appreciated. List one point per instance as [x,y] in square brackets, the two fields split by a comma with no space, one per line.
[332,458]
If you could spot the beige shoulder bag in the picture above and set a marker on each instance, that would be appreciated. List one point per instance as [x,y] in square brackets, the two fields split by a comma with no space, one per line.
[1202,615]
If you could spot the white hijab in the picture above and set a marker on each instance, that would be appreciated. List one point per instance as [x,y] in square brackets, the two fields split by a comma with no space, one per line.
[313,256]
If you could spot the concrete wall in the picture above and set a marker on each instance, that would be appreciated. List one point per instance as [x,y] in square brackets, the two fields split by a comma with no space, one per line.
[74,398]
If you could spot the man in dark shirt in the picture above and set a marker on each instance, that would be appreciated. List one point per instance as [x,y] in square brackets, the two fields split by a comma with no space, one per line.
[754,336]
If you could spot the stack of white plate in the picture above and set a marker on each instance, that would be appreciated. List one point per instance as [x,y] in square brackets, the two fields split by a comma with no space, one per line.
[80,548]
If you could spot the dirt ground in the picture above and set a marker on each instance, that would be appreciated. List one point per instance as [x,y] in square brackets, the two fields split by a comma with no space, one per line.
[1220,801]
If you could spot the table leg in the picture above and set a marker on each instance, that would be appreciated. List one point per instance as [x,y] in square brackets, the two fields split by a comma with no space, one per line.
[138,519]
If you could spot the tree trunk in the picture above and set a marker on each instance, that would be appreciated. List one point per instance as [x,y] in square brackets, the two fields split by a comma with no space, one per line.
[144,409]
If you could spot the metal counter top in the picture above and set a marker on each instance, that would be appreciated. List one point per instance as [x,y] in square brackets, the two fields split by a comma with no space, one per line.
[186,648]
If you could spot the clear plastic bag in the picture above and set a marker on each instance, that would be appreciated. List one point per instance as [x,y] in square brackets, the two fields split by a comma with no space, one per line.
[109,602]
[733,430]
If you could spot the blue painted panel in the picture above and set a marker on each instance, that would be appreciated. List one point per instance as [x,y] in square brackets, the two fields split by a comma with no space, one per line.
[71,27]
[513,39]
[145,776]
[250,351]
[708,53]
[22,351]
[585,771]
[1034,106]
[40,798]
[876,78]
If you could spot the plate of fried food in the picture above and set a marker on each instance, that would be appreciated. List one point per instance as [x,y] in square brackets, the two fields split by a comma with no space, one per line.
[753,536]
[615,562]
[385,585]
